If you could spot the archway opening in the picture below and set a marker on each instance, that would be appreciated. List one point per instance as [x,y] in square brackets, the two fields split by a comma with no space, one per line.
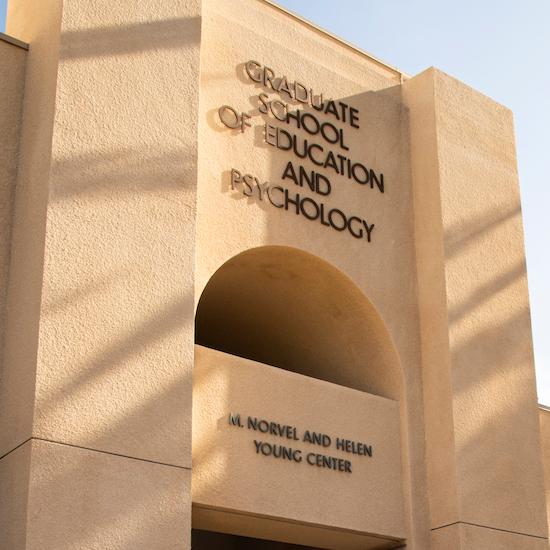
[284,307]
[287,308]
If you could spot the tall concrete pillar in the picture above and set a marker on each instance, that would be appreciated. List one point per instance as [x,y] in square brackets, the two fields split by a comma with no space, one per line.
[484,469]
[99,346]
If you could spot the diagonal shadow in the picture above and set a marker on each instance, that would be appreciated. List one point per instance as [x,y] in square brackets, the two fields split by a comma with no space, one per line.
[486,291]
[127,170]
[118,40]
[158,325]
[471,355]
[465,233]
[95,287]
[134,513]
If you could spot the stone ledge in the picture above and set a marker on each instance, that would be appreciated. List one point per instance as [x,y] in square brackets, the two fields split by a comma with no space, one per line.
[14,41]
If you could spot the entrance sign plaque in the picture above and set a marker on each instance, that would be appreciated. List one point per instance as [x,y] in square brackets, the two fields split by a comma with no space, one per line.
[272,443]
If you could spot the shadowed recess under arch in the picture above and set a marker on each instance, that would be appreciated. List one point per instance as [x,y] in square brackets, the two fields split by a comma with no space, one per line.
[290,309]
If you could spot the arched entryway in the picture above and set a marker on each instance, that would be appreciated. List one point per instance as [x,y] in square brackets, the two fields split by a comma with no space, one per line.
[284,307]
[290,309]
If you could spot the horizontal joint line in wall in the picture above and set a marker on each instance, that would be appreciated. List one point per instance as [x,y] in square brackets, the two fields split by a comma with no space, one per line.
[15,448]
[94,450]
[111,453]
[487,527]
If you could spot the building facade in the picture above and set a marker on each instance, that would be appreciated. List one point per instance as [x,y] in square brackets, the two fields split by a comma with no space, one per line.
[259,289]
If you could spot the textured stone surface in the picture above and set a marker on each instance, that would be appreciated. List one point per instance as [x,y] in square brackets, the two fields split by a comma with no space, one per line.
[229,473]
[14,492]
[115,346]
[37,24]
[12,83]
[484,462]
[80,499]
[123,195]
[544,416]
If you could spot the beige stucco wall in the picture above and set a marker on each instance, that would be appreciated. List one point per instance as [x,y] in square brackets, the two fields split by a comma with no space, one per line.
[483,461]
[54,496]
[544,416]
[81,498]
[230,474]
[228,223]
[12,68]
[113,267]
[14,468]
[39,25]
[124,212]
[101,328]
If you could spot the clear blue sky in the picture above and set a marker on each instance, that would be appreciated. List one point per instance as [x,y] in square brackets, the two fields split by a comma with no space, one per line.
[499,47]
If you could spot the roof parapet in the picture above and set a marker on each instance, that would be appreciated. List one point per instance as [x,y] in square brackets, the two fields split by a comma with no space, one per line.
[402,76]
